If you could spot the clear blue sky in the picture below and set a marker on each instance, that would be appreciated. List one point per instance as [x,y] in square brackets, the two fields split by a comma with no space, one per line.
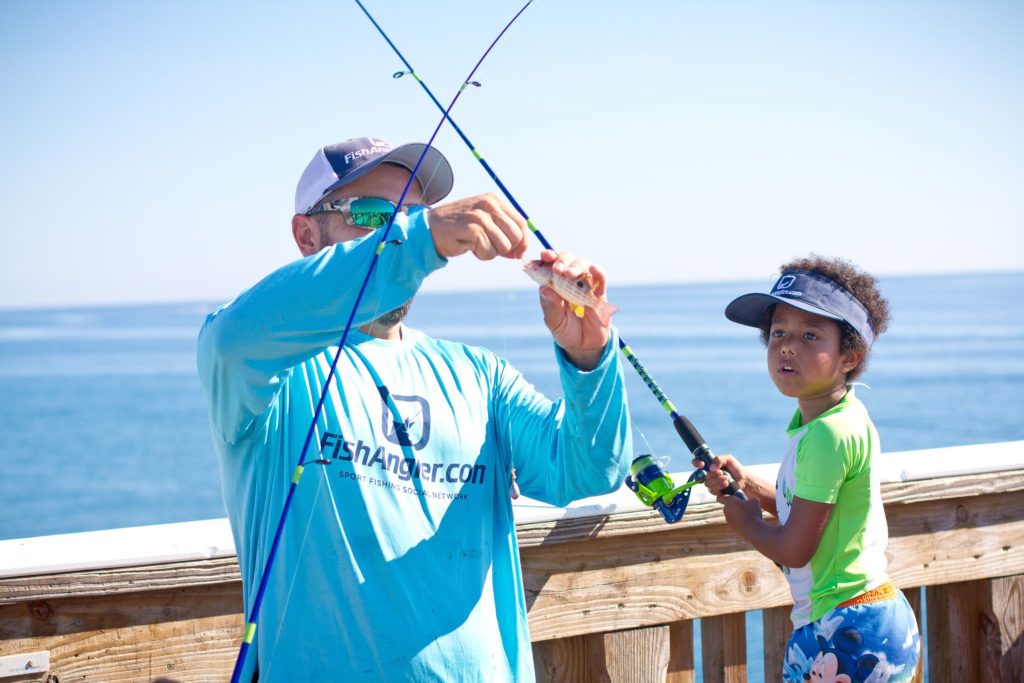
[151,149]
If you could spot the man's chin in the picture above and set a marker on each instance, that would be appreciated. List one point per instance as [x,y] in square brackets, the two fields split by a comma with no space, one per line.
[393,317]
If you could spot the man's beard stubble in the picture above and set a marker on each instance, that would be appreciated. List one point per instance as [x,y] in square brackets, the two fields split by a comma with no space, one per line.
[393,317]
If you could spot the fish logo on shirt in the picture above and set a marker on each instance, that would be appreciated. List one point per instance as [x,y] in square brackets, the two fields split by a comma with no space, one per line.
[405,420]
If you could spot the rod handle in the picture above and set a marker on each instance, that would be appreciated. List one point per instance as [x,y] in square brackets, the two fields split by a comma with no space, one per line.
[700,450]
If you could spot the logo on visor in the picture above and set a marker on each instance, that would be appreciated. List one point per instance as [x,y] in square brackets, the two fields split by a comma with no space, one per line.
[408,425]
[786,282]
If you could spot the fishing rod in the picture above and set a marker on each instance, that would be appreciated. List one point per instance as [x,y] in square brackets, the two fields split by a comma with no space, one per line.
[251,623]
[696,444]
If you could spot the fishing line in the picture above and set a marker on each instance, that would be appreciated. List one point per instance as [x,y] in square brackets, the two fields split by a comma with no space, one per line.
[687,431]
[251,624]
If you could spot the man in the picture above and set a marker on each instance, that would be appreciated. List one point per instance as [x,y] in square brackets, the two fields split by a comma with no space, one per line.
[398,560]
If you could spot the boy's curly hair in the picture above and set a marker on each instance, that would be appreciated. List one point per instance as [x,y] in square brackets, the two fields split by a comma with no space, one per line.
[861,285]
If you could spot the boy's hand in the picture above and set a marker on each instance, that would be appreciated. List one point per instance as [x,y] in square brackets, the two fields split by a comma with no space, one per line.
[739,513]
[717,479]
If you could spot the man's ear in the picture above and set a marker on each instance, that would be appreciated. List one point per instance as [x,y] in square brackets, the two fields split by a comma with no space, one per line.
[306,232]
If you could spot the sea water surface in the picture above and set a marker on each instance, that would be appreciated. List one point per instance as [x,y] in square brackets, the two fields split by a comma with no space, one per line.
[103,422]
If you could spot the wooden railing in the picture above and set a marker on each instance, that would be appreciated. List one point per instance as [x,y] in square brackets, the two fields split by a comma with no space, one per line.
[615,599]
[610,598]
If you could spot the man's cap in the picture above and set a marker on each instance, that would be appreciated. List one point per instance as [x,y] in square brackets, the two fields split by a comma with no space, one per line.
[343,162]
[811,292]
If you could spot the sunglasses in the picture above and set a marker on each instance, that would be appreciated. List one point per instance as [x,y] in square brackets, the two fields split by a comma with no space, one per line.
[368,213]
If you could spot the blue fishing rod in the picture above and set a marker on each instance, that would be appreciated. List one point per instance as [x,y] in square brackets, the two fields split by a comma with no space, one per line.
[250,628]
[649,471]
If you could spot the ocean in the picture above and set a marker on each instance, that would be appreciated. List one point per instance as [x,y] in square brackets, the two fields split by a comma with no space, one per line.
[104,422]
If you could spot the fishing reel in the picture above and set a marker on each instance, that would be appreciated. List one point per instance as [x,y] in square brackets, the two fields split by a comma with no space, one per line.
[655,488]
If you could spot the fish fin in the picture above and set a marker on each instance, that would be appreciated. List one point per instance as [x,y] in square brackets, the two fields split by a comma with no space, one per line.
[577,309]
[604,312]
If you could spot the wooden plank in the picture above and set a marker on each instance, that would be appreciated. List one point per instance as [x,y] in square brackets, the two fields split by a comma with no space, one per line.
[175,634]
[933,542]
[622,524]
[951,513]
[605,585]
[699,515]
[942,488]
[777,628]
[681,662]
[203,572]
[120,580]
[724,648]
[961,539]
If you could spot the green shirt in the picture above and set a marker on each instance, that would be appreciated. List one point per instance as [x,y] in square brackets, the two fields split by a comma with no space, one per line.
[828,460]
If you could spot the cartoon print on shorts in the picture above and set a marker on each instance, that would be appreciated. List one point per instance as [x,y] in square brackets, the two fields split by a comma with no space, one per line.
[797,665]
[835,648]
[841,662]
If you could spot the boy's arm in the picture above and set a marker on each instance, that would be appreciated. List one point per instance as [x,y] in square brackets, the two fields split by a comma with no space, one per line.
[791,544]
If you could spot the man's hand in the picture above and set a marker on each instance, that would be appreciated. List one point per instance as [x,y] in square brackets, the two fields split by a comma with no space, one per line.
[486,225]
[583,339]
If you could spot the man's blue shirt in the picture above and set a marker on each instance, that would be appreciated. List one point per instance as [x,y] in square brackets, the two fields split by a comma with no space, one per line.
[398,560]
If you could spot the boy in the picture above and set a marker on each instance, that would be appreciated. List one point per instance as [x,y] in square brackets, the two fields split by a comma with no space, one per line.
[818,324]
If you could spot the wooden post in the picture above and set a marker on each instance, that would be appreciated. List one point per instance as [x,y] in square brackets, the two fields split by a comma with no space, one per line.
[1008,614]
[680,660]
[636,655]
[724,648]
[563,659]
[914,598]
[631,656]
[777,629]
[974,630]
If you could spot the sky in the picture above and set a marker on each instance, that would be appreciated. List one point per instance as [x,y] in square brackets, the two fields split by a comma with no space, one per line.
[150,150]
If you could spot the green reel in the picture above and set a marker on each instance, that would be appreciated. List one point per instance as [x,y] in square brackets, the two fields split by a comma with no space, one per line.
[655,488]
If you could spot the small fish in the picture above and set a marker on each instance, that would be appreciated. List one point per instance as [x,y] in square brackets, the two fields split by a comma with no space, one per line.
[577,292]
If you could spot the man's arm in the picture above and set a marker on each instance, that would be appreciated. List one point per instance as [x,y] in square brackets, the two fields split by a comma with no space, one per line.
[247,346]
[582,445]
[574,447]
